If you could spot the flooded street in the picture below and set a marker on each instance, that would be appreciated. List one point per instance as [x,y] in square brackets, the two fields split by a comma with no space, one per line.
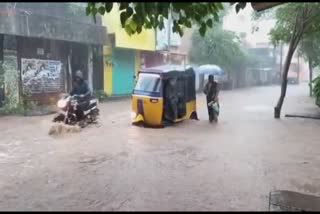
[232,165]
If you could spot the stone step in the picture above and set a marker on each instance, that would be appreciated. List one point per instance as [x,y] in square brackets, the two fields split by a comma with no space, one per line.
[293,201]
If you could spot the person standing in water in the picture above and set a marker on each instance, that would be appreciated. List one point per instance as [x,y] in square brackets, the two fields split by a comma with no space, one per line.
[211,90]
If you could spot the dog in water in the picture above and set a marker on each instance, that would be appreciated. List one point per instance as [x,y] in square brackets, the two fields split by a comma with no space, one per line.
[61,128]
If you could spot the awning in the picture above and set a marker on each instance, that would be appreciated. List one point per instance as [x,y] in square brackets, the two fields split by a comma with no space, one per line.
[264,5]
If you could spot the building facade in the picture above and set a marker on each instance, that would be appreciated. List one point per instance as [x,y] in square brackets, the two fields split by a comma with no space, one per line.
[43,45]
[122,57]
[127,54]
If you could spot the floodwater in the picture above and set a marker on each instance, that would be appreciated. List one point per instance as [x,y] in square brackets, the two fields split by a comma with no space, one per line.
[232,165]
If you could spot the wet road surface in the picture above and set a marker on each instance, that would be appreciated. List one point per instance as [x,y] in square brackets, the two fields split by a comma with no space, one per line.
[232,165]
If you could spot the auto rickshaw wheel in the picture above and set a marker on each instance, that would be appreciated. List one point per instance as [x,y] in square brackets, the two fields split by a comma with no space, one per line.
[194,116]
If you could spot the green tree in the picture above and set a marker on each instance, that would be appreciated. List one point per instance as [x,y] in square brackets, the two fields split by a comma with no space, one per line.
[219,47]
[295,22]
[310,49]
[265,14]
[135,16]
[316,90]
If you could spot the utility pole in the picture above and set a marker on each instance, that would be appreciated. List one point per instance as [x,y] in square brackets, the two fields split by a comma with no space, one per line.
[310,76]
[281,57]
[298,71]
[169,34]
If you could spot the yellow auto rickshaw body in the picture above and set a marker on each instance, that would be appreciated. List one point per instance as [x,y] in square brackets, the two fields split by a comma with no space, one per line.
[149,99]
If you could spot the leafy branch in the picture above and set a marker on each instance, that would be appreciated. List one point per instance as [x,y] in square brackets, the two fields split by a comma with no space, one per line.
[135,16]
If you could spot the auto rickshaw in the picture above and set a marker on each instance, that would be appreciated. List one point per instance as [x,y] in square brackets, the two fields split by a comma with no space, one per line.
[164,95]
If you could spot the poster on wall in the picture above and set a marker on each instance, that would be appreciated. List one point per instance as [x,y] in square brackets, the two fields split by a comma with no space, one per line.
[40,76]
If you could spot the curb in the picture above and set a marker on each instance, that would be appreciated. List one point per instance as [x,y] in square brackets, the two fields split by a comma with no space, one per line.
[117,98]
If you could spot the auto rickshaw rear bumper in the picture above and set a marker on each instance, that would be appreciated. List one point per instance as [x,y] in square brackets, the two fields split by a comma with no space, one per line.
[138,119]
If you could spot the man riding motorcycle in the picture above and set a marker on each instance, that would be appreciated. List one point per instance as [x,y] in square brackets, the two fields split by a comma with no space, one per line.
[82,93]
[78,107]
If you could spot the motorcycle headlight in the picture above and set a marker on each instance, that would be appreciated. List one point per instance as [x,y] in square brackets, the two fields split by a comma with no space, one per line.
[133,115]
[62,103]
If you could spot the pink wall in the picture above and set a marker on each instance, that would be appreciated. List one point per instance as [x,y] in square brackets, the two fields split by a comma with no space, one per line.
[151,59]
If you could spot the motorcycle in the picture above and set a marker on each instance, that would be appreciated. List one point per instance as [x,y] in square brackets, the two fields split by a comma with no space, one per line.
[70,113]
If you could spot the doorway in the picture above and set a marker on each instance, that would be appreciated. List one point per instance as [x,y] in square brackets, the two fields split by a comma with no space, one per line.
[77,60]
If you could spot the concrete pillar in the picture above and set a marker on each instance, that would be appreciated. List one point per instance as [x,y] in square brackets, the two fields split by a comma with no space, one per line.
[11,75]
[68,79]
[90,67]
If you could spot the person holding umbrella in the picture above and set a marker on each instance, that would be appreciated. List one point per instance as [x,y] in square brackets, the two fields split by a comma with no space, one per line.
[211,90]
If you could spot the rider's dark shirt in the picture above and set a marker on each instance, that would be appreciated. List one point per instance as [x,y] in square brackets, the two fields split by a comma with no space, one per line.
[80,89]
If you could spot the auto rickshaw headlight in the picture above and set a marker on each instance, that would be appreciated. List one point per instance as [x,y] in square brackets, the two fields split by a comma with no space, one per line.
[133,115]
